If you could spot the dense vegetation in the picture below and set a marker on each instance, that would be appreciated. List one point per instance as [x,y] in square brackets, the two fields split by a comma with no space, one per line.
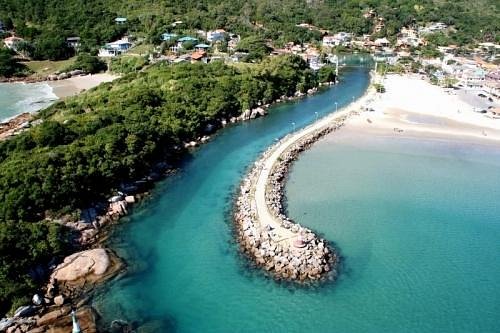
[21,246]
[87,145]
[88,64]
[46,24]
[9,65]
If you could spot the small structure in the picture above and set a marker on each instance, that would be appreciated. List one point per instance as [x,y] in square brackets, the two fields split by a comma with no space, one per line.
[121,20]
[216,35]
[185,39]
[115,48]
[201,47]
[73,42]
[176,23]
[382,42]
[167,37]
[199,56]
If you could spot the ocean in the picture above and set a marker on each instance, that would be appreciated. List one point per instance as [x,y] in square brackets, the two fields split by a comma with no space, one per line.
[17,98]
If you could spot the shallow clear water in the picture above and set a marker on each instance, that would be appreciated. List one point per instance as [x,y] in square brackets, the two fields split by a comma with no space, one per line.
[16,98]
[186,273]
[418,225]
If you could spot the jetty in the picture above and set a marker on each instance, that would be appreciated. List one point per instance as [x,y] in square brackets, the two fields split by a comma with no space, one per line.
[266,235]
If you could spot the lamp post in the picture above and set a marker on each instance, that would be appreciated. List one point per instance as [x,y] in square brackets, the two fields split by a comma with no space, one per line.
[76,326]
[316,113]
[336,106]
[293,126]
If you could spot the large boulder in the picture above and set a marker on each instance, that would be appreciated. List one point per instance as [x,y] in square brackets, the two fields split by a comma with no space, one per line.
[93,262]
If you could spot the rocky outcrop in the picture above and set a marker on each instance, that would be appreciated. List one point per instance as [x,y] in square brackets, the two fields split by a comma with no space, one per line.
[79,272]
[81,265]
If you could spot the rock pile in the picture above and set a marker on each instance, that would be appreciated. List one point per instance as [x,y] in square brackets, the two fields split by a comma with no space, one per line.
[306,258]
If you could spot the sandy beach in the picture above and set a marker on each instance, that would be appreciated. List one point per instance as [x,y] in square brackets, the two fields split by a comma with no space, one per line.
[77,84]
[413,108]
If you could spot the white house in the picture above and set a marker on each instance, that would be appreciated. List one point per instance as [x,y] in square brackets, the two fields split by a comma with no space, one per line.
[330,41]
[382,42]
[473,78]
[216,35]
[341,38]
[115,48]
[121,20]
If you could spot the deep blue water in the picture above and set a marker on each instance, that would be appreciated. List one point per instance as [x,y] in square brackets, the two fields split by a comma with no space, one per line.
[186,275]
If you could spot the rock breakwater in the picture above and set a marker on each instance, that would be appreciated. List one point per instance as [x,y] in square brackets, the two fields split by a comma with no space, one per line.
[266,235]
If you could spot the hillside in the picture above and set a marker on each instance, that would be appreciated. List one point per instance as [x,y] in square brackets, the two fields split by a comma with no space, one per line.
[47,23]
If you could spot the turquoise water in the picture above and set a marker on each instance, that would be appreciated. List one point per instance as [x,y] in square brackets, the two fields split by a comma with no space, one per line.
[185,274]
[418,226]
[16,98]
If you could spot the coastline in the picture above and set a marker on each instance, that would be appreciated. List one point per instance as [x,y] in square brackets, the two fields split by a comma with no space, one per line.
[265,234]
[59,89]
[77,84]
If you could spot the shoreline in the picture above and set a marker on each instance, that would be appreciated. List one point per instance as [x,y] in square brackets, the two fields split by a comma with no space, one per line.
[77,84]
[266,235]
[60,89]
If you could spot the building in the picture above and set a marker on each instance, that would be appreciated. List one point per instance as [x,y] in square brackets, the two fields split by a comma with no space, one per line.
[341,38]
[199,56]
[382,42]
[73,42]
[432,28]
[115,48]
[379,25]
[12,42]
[120,20]
[167,37]
[216,35]
[330,41]
[201,47]
[472,78]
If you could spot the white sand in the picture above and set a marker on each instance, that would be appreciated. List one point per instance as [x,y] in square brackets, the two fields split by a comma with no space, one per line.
[413,107]
[77,84]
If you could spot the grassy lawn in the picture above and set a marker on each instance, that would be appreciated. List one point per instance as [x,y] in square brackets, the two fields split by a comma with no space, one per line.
[47,67]
[141,49]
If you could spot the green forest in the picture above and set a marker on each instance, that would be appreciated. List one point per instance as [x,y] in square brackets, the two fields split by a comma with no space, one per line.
[46,24]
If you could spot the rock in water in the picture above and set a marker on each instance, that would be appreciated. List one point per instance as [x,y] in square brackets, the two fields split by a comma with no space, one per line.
[82,264]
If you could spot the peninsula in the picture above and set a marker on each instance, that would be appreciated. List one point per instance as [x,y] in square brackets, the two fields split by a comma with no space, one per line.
[271,239]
